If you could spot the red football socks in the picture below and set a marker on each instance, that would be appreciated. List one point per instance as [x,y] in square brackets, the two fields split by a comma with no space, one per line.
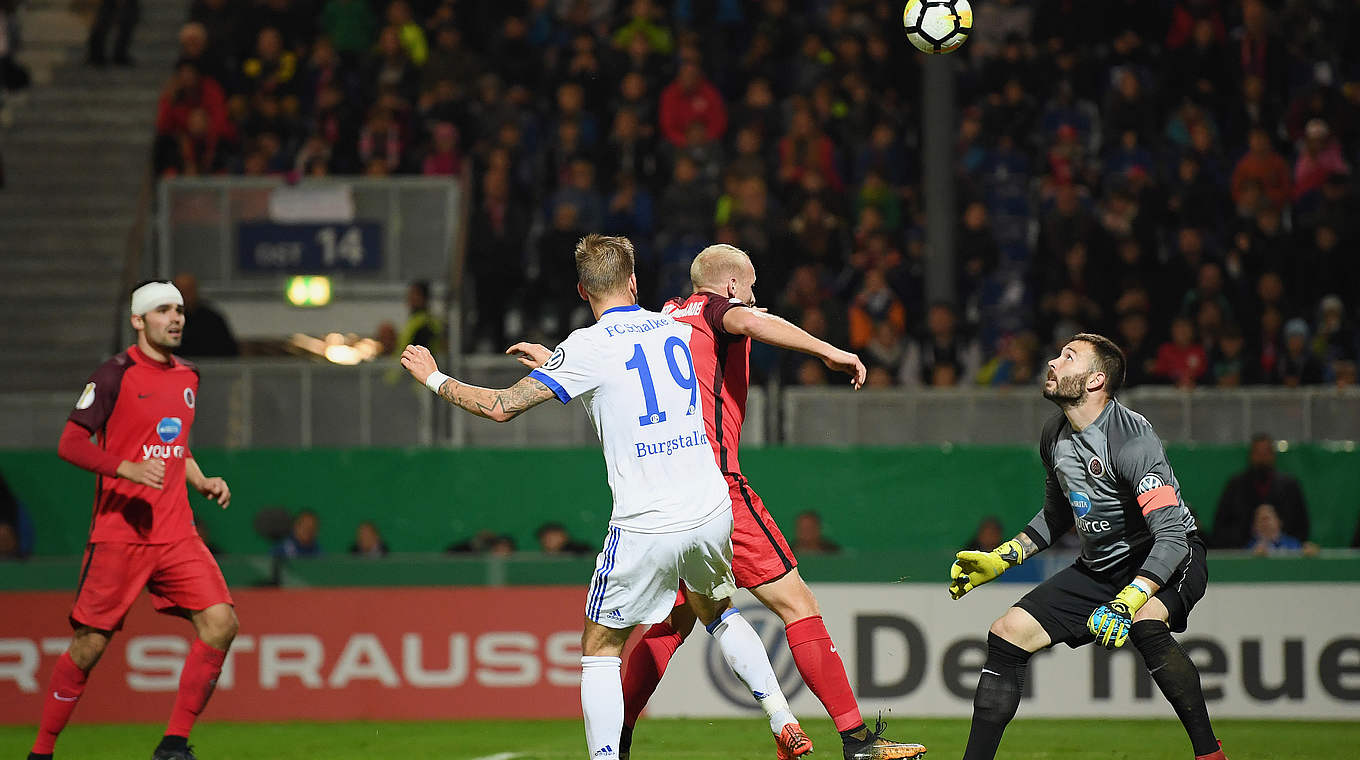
[63,692]
[822,670]
[196,683]
[646,665]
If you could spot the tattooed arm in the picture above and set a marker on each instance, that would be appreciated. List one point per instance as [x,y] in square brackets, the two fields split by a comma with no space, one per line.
[497,405]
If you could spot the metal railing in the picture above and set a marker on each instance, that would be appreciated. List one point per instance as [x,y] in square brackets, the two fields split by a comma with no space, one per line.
[816,416]
[299,404]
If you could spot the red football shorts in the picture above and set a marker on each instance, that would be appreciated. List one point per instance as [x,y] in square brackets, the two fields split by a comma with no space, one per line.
[182,577]
[759,552]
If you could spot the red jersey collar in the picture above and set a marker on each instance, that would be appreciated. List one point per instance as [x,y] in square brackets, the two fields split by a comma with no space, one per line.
[141,358]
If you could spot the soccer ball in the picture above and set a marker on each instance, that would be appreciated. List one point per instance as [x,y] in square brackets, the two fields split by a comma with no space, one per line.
[938,26]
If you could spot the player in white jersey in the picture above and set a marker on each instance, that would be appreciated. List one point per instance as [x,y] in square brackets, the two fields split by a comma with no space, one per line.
[672,516]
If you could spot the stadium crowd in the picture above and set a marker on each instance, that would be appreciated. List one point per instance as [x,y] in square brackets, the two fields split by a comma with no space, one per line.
[1174,173]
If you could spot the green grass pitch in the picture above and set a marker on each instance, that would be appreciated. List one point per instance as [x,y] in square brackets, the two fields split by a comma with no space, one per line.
[675,739]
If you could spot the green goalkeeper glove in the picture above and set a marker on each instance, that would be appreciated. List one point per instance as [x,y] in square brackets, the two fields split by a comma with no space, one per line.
[1111,621]
[972,569]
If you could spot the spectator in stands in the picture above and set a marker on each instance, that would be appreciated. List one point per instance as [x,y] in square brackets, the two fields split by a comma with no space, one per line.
[1139,350]
[410,33]
[808,537]
[885,351]
[940,357]
[206,332]
[478,544]
[554,539]
[501,546]
[443,158]
[111,13]
[1259,484]
[423,327]
[1263,168]
[987,536]
[1298,365]
[689,99]
[1229,365]
[1267,538]
[273,68]
[368,543]
[1319,158]
[302,540]
[1016,363]
[189,91]
[1181,361]
[875,304]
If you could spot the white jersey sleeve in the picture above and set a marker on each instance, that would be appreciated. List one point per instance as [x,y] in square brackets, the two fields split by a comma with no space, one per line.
[573,369]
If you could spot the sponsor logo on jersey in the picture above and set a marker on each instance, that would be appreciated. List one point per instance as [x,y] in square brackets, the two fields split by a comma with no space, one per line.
[675,312]
[86,399]
[1096,467]
[157,451]
[169,428]
[672,445]
[189,397]
[1081,505]
[1150,482]
[558,357]
[625,328]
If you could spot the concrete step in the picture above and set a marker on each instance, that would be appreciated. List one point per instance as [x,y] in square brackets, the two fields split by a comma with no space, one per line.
[85,183]
[35,139]
[22,226]
[103,117]
[58,208]
[93,95]
[58,252]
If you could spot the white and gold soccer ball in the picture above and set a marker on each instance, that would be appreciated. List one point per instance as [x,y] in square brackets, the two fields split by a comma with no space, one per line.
[938,26]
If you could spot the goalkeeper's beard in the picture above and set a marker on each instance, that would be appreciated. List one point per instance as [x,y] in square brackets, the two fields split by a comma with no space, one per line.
[1068,392]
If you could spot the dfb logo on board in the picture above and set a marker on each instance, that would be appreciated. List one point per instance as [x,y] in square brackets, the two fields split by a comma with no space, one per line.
[169,428]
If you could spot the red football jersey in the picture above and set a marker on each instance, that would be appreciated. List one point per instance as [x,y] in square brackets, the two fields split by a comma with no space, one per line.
[723,363]
[141,409]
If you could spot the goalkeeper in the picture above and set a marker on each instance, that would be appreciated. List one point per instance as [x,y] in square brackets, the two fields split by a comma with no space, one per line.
[1142,566]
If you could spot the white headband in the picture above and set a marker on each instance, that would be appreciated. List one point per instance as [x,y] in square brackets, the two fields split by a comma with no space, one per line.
[153,295]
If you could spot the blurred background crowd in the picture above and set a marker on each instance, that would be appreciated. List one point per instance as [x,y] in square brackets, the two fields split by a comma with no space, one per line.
[1203,220]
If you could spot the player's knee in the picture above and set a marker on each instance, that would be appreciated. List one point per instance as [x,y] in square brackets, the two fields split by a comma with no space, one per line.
[87,646]
[1016,628]
[789,598]
[219,625]
[1150,612]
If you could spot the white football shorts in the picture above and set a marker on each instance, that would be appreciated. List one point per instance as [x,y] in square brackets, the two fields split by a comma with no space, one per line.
[637,575]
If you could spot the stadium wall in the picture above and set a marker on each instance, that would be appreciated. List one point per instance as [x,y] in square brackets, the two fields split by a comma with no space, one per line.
[511,653]
[871,499]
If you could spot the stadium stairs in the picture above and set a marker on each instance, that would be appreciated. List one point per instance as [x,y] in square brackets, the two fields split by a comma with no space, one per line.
[77,149]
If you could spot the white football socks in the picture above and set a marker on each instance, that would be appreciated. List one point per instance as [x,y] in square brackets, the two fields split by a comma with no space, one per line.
[745,654]
[602,705]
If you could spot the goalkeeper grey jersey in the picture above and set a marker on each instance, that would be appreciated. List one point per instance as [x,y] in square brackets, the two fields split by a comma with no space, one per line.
[1114,482]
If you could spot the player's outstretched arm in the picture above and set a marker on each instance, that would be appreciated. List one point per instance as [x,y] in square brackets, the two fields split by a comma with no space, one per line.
[777,331]
[213,489]
[497,405]
[973,568]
